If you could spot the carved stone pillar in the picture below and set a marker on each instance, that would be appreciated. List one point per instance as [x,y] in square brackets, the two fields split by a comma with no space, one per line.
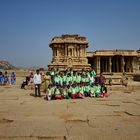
[78,51]
[122,64]
[53,52]
[110,65]
[106,64]
[84,53]
[133,65]
[98,64]
[56,52]
[117,65]
[65,51]
[73,51]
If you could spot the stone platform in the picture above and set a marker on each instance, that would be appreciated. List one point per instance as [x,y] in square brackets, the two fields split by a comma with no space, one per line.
[24,117]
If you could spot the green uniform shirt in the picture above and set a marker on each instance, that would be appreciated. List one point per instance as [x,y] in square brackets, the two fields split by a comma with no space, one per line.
[81,90]
[87,79]
[88,74]
[56,79]
[73,90]
[98,89]
[74,78]
[49,91]
[92,89]
[69,89]
[61,80]
[86,88]
[57,91]
[83,79]
[64,78]
[78,79]
[93,73]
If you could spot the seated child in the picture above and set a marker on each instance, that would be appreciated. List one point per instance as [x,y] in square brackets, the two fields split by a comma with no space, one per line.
[97,90]
[81,91]
[74,94]
[1,78]
[24,83]
[64,92]
[104,91]
[92,91]
[50,92]
[57,80]
[86,89]
[57,93]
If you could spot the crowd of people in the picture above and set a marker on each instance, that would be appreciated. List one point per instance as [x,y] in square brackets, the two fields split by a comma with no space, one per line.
[70,84]
[6,79]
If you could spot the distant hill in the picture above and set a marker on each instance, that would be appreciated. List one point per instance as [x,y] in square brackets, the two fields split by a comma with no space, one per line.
[6,65]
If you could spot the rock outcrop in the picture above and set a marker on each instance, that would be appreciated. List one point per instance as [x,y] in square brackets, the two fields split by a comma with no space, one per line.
[6,65]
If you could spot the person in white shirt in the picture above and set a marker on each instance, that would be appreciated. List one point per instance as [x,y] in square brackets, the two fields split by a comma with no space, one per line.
[37,83]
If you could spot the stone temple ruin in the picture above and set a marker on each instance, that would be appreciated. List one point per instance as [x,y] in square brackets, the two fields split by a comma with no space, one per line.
[69,51]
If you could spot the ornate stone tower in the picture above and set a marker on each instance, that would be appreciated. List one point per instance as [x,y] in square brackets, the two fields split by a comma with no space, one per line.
[69,51]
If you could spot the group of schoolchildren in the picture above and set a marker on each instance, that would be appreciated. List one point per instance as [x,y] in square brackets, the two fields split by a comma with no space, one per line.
[73,84]
[5,79]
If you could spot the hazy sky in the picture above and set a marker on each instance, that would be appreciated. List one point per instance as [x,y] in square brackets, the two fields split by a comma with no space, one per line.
[27,26]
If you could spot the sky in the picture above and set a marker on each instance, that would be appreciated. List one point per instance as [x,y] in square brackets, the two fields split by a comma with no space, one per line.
[27,27]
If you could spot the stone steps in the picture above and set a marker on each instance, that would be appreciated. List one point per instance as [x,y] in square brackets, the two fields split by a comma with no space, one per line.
[129,88]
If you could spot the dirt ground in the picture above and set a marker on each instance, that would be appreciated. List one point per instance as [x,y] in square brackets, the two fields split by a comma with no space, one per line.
[24,117]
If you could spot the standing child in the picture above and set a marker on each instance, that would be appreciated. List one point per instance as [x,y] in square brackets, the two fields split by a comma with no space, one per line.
[1,78]
[13,78]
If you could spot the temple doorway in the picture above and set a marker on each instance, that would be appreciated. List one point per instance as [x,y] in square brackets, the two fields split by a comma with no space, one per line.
[116,63]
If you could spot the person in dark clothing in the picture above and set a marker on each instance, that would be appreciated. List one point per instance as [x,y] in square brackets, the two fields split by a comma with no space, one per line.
[101,79]
[104,90]
[25,82]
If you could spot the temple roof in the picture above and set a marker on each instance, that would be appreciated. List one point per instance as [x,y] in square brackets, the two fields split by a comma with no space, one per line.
[69,39]
[112,53]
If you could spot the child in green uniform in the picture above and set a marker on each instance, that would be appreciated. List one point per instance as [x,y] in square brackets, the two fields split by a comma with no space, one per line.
[64,92]
[81,91]
[86,89]
[49,93]
[83,78]
[68,79]
[61,80]
[88,73]
[93,72]
[52,74]
[74,78]
[56,79]
[92,91]
[57,93]
[64,78]
[78,79]
[74,95]
[97,90]
[69,90]
[87,80]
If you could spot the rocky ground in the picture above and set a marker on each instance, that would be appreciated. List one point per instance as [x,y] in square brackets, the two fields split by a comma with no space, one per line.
[24,117]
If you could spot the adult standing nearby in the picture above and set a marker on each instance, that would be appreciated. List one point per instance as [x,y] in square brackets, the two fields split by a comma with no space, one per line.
[37,83]
[102,79]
